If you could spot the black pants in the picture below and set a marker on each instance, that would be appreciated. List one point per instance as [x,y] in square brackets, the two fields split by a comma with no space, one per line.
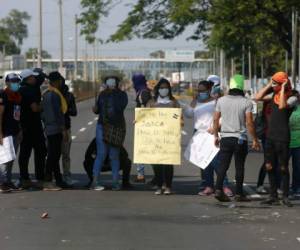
[32,139]
[278,152]
[263,171]
[54,153]
[229,146]
[163,175]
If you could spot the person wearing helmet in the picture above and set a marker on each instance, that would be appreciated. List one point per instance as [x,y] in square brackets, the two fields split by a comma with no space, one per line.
[235,110]
[33,132]
[10,100]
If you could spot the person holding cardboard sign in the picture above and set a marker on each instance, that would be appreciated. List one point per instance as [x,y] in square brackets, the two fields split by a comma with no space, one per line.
[163,98]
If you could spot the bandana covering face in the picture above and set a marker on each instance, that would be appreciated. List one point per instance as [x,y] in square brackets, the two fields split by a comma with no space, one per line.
[280,78]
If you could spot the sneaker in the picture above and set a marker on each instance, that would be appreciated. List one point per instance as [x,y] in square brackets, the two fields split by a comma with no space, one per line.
[50,186]
[11,185]
[261,190]
[140,179]
[26,184]
[286,202]
[116,186]
[167,191]
[228,191]
[4,188]
[271,201]
[68,180]
[279,191]
[242,198]
[159,191]
[220,196]
[206,192]
[98,188]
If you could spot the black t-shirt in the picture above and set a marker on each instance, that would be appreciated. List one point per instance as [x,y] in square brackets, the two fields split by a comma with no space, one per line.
[278,127]
[30,119]
[11,116]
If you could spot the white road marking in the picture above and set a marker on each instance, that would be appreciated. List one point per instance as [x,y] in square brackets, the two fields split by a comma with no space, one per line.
[74,137]
[82,129]
[90,123]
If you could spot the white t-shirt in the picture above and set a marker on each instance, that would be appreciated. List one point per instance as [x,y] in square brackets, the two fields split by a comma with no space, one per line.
[203,115]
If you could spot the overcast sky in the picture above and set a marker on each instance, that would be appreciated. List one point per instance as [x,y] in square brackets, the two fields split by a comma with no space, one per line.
[107,27]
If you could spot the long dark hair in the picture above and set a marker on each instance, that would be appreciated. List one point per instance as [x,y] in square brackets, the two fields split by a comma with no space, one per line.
[157,87]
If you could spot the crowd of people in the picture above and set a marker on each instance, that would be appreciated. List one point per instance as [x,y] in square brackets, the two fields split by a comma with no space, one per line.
[40,121]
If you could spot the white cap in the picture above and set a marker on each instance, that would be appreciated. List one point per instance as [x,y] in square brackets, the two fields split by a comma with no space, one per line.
[214,78]
[28,72]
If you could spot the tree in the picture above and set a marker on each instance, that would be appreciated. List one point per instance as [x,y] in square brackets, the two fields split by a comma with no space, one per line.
[93,11]
[6,43]
[157,54]
[34,51]
[15,24]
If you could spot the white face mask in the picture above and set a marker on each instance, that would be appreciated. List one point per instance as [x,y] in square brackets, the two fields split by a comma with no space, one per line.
[163,92]
[111,83]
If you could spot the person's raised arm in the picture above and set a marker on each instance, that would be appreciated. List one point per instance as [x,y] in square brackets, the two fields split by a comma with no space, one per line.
[263,92]
[282,98]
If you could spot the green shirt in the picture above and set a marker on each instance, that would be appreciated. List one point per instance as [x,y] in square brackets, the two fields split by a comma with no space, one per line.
[295,128]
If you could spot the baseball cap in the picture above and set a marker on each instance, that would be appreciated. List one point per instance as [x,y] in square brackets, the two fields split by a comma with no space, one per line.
[214,79]
[28,72]
[12,77]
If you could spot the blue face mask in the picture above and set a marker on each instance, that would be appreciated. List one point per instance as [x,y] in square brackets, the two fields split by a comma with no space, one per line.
[203,96]
[14,86]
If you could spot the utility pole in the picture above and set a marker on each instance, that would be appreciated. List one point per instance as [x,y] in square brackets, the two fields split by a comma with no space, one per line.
[294,45]
[61,63]
[287,62]
[250,67]
[40,47]
[222,68]
[76,50]
[243,60]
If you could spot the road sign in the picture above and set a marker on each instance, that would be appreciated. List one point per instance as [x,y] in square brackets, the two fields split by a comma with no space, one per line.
[180,55]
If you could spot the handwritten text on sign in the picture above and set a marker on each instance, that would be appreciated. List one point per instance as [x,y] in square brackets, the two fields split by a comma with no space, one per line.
[157,136]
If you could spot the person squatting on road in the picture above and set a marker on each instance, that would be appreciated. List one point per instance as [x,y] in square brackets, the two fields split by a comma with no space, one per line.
[202,110]
[278,135]
[163,98]
[10,101]
[236,113]
[110,131]
[143,96]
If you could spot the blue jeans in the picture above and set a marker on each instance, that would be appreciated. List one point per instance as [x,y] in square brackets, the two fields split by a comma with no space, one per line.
[140,168]
[295,154]
[102,150]
[6,168]
[208,173]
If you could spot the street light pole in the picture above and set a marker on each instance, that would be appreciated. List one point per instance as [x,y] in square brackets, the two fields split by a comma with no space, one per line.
[294,45]
[76,50]
[40,47]
[61,36]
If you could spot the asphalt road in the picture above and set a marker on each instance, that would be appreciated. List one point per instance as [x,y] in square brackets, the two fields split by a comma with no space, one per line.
[134,220]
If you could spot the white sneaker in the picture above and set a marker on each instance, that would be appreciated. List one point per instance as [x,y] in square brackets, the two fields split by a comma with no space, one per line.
[167,191]
[158,192]
[68,180]
[261,190]
[98,188]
